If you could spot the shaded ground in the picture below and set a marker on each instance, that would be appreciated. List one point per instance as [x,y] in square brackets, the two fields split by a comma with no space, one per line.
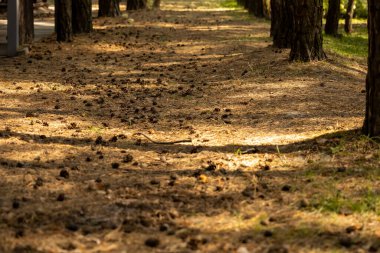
[75,178]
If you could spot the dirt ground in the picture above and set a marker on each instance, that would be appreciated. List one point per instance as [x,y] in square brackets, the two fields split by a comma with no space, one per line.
[266,147]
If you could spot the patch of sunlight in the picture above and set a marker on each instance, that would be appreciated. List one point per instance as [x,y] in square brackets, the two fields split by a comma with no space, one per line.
[22,154]
[215,27]
[96,129]
[107,47]
[226,222]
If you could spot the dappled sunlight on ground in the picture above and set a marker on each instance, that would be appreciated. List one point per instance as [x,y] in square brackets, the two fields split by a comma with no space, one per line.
[271,163]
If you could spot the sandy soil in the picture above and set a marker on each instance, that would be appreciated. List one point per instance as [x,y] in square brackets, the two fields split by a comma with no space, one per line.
[75,177]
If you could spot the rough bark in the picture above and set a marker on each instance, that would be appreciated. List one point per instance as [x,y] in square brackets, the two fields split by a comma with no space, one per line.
[348,17]
[306,16]
[156,4]
[372,118]
[332,18]
[82,16]
[281,24]
[63,20]
[136,4]
[109,8]
[26,25]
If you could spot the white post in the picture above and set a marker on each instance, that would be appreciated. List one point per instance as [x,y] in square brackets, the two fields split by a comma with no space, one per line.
[13,27]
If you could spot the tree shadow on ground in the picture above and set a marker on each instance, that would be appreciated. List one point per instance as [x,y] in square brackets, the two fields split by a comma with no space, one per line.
[233,207]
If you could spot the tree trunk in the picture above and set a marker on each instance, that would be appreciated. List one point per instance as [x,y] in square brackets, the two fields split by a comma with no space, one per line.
[281,24]
[241,2]
[247,3]
[109,8]
[136,4]
[266,9]
[156,4]
[256,8]
[349,16]
[332,18]
[82,16]
[306,45]
[372,118]
[26,25]
[63,20]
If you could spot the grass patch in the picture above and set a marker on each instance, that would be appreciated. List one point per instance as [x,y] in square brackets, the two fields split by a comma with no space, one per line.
[353,46]
[230,4]
[367,202]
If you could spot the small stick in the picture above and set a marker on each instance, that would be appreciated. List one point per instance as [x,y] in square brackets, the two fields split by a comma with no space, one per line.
[162,142]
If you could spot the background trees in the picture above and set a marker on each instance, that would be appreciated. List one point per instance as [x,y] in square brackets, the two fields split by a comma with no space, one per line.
[332,18]
[72,17]
[109,8]
[63,20]
[156,3]
[349,16]
[82,16]
[26,25]
[281,24]
[137,4]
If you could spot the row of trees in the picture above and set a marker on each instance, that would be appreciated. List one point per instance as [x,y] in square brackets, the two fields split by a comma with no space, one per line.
[297,24]
[333,15]
[264,8]
[75,16]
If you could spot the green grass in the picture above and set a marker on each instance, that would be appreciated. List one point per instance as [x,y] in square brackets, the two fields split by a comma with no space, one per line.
[367,202]
[230,4]
[353,46]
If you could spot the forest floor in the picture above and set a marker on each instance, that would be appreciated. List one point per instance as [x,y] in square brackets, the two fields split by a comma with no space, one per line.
[276,162]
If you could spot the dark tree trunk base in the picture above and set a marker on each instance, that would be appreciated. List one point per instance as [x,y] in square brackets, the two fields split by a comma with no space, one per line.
[109,8]
[82,16]
[332,18]
[136,4]
[281,25]
[26,26]
[307,35]
[63,20]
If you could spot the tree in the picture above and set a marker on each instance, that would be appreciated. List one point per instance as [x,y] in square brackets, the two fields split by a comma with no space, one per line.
[349,16]
[281,25]
[372,117]
[306,15]
[266,9]
[63,20]
[26,24]
[256,7]
[332,18]
[136,4]
[82,16]
[247,4]
[109,8]
[156,4]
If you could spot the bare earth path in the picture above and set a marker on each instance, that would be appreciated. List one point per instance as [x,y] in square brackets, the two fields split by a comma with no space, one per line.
[75,178]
